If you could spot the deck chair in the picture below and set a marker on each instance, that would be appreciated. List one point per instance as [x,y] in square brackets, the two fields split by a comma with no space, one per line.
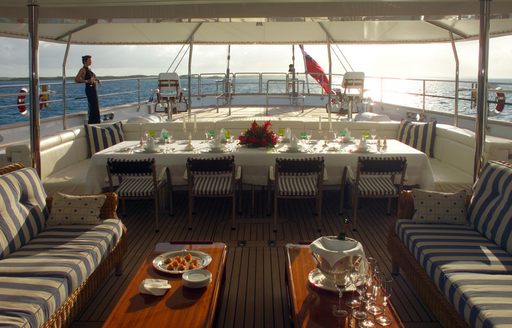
[298,179]
[376,177]
[138,179]
[169,91]
[212,177]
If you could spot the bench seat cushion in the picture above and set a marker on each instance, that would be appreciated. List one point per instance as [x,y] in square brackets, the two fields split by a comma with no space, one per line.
[23,211]
[441,249]
[70,252]
[30,301]
[484,300]
[70,180]
[448,178]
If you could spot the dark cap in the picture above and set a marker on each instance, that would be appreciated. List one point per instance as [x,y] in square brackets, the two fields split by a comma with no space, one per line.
[84,58]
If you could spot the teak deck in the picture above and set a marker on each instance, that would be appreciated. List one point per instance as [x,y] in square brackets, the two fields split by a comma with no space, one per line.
[255,292]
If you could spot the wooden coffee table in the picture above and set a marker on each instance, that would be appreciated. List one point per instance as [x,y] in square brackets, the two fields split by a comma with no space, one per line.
[180,306]
[310,305]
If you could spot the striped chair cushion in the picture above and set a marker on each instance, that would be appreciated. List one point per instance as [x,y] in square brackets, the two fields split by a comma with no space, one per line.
[377,186]
[23,212]
[70,252]
[30,301]
[418,135]
[490,209]
[441,249]
[484,300]
[103,137]
[212,185]
[137,187]
[298,185]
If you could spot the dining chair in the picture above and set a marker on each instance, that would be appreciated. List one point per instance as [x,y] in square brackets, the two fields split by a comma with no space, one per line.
[376,177]
[212,177]
[298,179]
[138,179]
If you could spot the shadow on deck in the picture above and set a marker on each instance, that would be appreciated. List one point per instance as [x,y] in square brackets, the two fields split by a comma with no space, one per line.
[254,293]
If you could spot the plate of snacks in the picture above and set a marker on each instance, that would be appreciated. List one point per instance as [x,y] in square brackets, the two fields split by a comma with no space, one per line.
[181,261]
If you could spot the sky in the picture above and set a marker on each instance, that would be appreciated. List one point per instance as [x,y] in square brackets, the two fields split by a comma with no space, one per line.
[402,61]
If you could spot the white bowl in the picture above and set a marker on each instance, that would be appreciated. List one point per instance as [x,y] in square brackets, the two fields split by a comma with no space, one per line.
[196,278]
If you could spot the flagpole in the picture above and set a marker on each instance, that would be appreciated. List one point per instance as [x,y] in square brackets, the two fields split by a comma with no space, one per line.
[305,66]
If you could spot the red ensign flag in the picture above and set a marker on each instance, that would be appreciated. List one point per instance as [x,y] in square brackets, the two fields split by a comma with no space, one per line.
[315,70]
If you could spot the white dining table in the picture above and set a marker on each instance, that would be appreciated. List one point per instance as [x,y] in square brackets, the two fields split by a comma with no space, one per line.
[255,162]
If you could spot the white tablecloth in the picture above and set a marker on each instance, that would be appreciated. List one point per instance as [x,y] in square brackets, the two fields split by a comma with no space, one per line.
[256,161]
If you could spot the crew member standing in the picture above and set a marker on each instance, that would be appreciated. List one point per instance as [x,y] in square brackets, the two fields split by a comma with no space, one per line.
[85,75]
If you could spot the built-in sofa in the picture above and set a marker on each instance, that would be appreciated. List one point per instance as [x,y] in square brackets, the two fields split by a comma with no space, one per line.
[65,155]
[48,273]
[463,272]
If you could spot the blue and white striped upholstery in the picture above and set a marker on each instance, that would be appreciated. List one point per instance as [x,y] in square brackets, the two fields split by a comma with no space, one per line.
[30,301]
[137,187]
[23,212]
[102,137]
[298,185]
[418,135]
[490,209]
[377,186]
[485,300]
[36,279]
[70,252]
[452,248]
[206,184]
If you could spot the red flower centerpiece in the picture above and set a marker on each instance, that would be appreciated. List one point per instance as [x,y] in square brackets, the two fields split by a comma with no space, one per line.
[258,136]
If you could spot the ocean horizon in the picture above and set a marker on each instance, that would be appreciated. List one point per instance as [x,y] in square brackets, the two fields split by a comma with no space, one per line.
[116,91]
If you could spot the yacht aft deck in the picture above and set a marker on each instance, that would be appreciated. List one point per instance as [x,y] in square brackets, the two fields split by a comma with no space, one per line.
[254,292]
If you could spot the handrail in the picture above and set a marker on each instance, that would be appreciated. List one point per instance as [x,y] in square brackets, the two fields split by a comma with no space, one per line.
[381,88]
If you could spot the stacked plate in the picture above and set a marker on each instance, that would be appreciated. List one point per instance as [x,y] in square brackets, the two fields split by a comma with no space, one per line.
[196,278]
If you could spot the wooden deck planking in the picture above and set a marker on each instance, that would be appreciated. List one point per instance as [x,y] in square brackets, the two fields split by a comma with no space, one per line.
[254,293]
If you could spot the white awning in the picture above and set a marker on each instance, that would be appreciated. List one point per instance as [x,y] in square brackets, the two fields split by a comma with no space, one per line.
[253,22]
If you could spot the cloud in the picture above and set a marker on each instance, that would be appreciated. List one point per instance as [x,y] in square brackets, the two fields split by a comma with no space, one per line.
[425,60]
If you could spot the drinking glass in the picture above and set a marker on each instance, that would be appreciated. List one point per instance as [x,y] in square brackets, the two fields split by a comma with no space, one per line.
[373,134]
[355,279]
[341,280]
[165,136]
[386,290]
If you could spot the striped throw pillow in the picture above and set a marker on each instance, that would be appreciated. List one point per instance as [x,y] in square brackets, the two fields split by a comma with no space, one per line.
[102,137]
[490,210]
[23,211]
[418,135]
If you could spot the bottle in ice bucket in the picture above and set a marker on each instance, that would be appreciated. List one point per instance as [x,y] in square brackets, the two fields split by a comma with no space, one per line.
[343,234]
[303,135]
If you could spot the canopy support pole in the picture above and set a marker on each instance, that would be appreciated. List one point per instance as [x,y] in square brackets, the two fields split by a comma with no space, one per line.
[191,48]
[330,78]
[33,38]
[482,108]
[227,82]
[456,96]
[64,85]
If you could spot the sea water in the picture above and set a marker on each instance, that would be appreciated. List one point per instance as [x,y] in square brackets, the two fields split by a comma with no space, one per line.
[123,91]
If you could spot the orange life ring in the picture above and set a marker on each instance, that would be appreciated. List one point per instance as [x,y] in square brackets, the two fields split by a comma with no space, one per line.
[500,101]
[22,108]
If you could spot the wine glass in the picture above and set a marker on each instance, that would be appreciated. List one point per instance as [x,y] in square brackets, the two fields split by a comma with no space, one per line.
[341,279]
[386,290]
[355,279]
[373,134]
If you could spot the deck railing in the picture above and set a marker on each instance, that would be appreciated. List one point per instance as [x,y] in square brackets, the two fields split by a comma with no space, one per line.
[423,94]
